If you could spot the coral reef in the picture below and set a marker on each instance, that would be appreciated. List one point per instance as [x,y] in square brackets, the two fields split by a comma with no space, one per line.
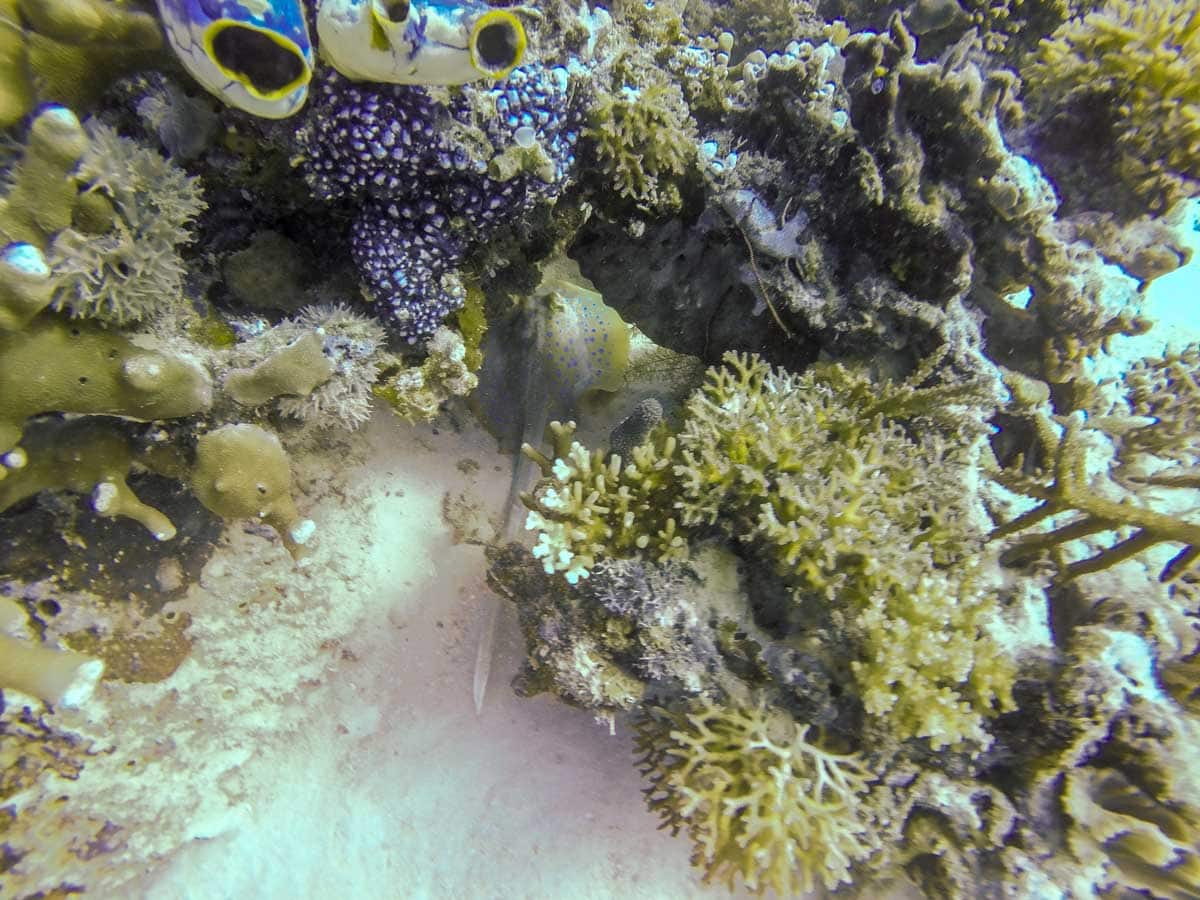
[107,215]
[319,366]
[903,586]
[416,393]
[26,288]
[1127,478]
[799,807]
[42,194]
[85,456]
[644,142]
[1126,72]
[827,493]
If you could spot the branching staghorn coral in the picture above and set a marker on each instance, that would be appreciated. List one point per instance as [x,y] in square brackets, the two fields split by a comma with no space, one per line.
[761,802]
[1156,451]
[1068,491]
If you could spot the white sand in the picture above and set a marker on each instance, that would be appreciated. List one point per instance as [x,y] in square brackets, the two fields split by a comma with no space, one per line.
[322,741]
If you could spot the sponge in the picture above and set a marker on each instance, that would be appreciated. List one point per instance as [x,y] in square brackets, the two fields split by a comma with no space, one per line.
[76,367]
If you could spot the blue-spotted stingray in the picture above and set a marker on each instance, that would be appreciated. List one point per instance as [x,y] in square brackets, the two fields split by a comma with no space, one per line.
[559,344]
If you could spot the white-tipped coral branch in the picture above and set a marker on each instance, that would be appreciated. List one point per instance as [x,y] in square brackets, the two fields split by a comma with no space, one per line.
[57,677]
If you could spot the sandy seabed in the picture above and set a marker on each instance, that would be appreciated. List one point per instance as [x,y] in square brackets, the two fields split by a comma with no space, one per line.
[321,740]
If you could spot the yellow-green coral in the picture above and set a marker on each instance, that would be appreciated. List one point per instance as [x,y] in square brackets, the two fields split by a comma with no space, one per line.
[855,512]
[761,802]
[588,507]
[56,366]
[294,369]
[1166,391]
[1139,57]
[26,287]
[86,456]
[243,472]
[68,50]
[51,675]
[44,192]
[841,502]
[645,141]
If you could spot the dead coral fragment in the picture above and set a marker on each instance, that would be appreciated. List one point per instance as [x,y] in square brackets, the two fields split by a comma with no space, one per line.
[760,802]
[416,394]
[51,675]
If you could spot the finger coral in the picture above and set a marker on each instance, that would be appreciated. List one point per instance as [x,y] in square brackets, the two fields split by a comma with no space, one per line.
[761,802]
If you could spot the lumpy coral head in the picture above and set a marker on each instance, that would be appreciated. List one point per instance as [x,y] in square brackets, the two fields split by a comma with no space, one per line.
[243,472]
[75,367]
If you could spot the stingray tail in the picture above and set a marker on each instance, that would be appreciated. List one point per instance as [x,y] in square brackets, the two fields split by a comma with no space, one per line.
[533,412]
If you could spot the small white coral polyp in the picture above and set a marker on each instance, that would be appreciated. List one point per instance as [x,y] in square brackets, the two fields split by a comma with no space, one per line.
[758,800]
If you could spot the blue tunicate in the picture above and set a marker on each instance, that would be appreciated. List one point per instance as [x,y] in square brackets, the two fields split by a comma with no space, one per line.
[427,162]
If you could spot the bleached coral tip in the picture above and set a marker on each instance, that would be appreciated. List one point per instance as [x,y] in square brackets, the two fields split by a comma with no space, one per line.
[303,530]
